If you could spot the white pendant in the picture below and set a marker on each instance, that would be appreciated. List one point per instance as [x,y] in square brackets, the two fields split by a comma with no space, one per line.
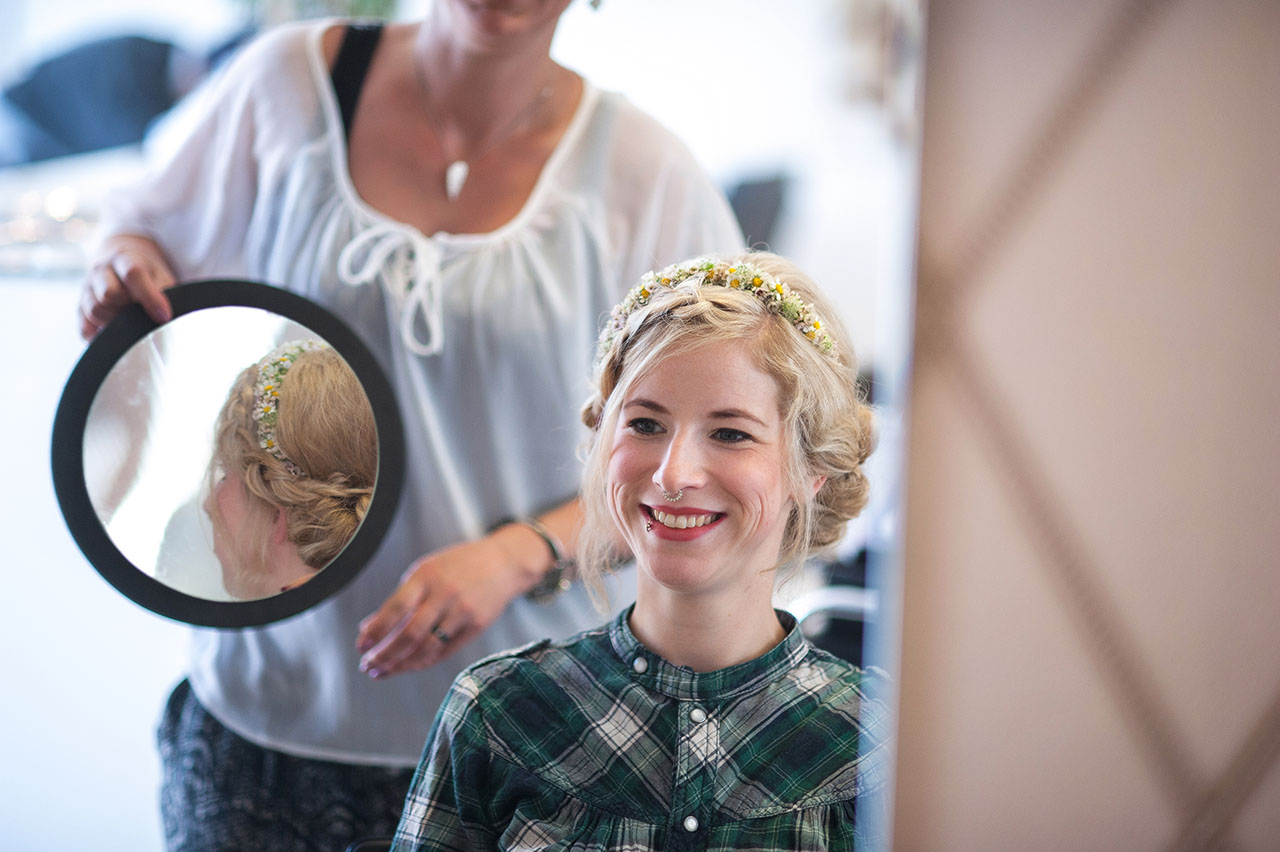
[454,177]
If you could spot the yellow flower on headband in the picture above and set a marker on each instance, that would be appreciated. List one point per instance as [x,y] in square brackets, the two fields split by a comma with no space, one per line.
[266,392]
[774,294]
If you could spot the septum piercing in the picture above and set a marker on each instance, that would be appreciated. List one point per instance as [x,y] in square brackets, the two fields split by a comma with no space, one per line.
[672,498]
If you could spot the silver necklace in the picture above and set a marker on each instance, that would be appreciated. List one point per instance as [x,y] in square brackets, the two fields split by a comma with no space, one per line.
[459,169]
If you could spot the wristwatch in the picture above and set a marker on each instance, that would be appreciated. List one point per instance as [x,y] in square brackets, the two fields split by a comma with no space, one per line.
[553,582]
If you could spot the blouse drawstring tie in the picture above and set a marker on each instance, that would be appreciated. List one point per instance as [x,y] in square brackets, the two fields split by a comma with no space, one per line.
[409,266]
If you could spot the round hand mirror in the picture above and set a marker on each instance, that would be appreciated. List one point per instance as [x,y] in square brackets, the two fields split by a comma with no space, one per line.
[233,466]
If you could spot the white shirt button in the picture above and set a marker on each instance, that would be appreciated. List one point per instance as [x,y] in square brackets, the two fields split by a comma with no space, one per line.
[691,823]
[640,664]
[698,715]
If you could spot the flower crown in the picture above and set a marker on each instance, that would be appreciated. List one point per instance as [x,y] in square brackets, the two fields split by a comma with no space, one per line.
[266,395]
[773,293]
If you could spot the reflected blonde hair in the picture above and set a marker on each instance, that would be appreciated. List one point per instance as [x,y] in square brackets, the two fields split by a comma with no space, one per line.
[827,424]
[326,427]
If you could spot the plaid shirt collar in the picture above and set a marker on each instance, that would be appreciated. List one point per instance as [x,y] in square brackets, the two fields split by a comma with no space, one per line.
[684,684]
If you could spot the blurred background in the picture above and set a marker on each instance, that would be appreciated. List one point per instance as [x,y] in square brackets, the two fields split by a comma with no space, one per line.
[804,113]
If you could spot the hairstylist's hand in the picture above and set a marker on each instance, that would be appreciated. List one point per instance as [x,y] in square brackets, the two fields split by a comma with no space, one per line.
[444,600]
[129,269]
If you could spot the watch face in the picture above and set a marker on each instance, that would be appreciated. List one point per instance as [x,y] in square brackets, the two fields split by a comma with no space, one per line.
[553,583]
[167,456]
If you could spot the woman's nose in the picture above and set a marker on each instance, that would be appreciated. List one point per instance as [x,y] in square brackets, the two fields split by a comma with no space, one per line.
[681,466]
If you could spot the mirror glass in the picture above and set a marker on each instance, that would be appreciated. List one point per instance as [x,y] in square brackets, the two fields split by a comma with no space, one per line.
[233,466]
[149,448]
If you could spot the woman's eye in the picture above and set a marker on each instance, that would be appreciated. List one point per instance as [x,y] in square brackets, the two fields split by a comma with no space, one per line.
[730,436]
[644,426]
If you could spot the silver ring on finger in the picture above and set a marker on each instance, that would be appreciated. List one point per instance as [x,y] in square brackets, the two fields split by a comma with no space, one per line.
[441,635]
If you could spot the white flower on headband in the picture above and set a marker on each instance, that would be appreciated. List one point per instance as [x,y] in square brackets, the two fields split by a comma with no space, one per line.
[266,395]
[774,294]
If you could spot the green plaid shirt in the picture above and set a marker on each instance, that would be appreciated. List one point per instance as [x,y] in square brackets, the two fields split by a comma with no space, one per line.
[597,743]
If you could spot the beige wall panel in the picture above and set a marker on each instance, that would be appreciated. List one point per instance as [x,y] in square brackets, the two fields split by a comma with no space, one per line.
[1124,323]
[1256,828]
[1035,45]
[1006,677]
[1094,465]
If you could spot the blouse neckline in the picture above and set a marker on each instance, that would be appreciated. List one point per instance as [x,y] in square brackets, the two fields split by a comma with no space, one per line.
[684,684]
[342,172]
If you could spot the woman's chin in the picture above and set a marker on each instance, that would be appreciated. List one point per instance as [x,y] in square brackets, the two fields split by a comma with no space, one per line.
[686,576]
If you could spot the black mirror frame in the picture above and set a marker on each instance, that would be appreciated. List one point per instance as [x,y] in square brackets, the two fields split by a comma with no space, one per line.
[67,456]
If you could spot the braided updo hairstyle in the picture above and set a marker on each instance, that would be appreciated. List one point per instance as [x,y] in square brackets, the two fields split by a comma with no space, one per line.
[827,424]
[326,428]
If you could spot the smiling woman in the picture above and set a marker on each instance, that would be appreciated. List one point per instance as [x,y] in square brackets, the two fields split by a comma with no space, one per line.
[728,440]
[726,393]
[697,486]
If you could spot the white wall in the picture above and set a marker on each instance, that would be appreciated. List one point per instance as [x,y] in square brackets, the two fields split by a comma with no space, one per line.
[85,670]
[1091,653]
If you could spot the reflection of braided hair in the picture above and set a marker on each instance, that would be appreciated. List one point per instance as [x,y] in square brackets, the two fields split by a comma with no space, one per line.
[326,428]
[827,424]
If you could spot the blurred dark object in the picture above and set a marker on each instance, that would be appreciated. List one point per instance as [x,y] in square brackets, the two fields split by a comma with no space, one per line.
[834,616]
[756,204]
[99,94]
[870,385]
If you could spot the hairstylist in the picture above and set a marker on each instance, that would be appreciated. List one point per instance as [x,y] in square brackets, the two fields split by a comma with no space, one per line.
[472,209]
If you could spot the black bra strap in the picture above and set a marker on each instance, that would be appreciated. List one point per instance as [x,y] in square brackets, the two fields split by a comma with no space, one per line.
[350,67]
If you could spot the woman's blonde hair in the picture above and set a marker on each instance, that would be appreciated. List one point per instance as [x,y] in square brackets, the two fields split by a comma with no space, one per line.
[326,428]
[827,425]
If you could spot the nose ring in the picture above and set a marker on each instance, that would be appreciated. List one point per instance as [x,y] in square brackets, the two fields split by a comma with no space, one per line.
[672,498]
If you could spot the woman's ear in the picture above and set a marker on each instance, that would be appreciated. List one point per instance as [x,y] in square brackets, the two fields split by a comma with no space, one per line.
[280,529]
[818,482]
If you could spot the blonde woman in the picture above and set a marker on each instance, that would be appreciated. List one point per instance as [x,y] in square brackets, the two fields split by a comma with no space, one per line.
[294,466]
[728,441]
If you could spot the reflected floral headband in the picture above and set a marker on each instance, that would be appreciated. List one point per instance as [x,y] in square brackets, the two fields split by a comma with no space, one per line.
[773,293]
[266,395]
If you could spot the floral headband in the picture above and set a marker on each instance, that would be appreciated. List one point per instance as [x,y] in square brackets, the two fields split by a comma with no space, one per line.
[775,295]
[266,395]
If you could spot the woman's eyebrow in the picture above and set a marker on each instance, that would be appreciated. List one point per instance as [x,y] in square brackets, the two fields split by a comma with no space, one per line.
[718,414]
[737,414]
[646,403]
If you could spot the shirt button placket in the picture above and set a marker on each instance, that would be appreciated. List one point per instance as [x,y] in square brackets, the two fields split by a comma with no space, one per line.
[694,754]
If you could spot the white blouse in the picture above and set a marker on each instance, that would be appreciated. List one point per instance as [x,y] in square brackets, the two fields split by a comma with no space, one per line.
[487,338]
